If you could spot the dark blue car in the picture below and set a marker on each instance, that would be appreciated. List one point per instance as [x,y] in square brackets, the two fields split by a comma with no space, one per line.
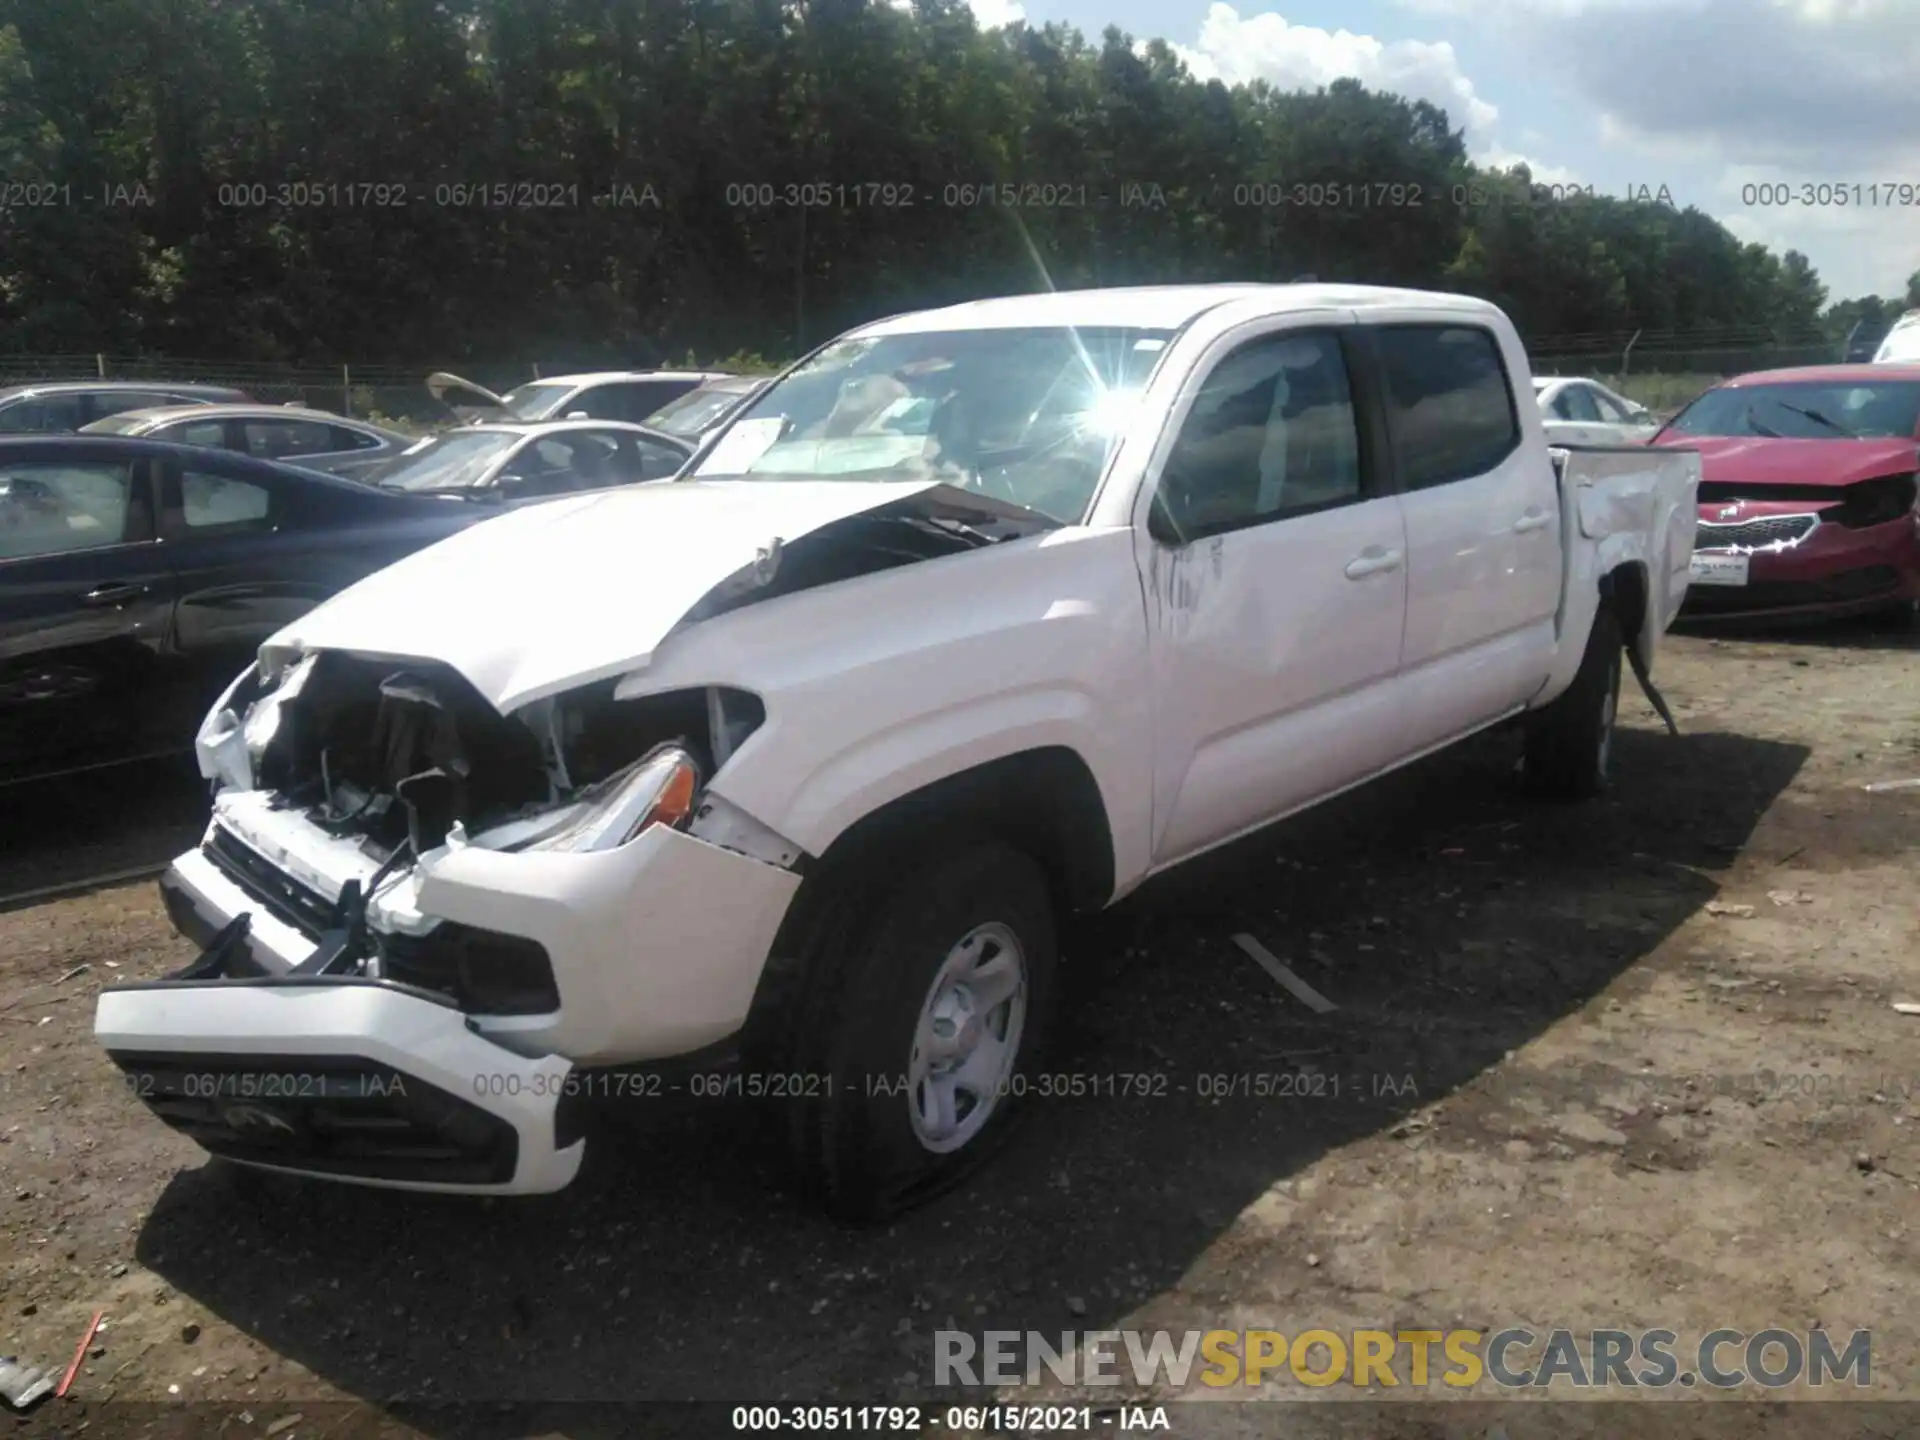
[137,578]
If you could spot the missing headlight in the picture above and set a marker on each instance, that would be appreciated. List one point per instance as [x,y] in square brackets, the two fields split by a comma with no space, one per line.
[1874,502]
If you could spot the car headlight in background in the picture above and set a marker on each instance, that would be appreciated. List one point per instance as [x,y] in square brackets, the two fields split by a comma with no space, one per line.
[657,789]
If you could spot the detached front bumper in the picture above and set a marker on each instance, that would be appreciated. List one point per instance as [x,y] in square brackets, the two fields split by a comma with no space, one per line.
[396,1075]
[341,1078]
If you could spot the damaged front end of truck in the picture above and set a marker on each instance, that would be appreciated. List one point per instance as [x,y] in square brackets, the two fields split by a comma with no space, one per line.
[383,1037]
[436,910]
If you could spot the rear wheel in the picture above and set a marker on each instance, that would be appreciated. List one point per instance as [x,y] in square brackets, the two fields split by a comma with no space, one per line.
[1569,744]
[916,1027]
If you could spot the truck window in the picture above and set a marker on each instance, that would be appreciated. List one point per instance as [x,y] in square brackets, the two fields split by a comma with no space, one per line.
[1449,402]
[1271,433]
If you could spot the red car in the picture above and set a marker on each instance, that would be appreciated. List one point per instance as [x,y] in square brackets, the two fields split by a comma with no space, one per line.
[1807,497]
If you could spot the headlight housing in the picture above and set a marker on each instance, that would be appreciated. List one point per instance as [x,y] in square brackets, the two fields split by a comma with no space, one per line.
[1874,502]
[657,789]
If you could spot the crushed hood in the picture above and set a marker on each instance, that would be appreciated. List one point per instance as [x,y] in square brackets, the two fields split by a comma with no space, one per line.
[539,600]
[1758,460]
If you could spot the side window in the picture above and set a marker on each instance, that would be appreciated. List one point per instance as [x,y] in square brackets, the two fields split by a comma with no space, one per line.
[1610,409]
[48,507]
[43,415]
[559,464]
[657,462]
[279,439]
[636,460]
[1580,404]
[603,402]
[215,502]
[1448,401]
[197,432]
[118,402]
[1271,433]
[340,438]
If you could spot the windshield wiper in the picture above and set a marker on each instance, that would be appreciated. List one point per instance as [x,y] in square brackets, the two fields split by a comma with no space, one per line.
[1819,419]
[1759,429]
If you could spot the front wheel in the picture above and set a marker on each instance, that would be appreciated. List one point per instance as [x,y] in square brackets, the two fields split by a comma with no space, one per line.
[1569,744]
[922,1028]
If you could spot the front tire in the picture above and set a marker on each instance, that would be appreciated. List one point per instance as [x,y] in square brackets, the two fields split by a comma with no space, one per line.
[1569,744]
[916,1027]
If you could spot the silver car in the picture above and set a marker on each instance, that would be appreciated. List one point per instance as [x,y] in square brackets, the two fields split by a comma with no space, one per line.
[311,439]
[514,463]
[630,395]
[62,406]
[698,413]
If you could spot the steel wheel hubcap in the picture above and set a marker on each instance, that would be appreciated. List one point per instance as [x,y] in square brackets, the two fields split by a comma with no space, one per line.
[967,1039]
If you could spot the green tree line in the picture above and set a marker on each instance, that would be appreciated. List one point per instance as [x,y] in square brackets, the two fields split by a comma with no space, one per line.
[466,181]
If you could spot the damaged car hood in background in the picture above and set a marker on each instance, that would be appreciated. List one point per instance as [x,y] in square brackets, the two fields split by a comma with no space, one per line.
[560,594]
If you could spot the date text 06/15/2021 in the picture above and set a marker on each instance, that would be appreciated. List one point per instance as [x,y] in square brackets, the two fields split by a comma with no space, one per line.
[952,1419]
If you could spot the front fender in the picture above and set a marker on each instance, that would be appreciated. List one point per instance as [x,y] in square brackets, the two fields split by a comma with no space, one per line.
[886,765]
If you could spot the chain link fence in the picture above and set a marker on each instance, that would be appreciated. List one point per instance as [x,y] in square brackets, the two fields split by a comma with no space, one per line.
[1660,369]
[1664,369]
[395,394]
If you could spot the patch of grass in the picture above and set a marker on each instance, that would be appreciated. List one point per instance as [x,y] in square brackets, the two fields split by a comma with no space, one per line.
[1660,392]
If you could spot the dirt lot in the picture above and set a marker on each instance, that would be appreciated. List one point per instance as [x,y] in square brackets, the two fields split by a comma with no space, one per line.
[1573,1089]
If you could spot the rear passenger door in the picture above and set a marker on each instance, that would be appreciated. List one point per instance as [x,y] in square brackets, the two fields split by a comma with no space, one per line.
[252,549]
[1482,509]
[84,600]
[1272,555]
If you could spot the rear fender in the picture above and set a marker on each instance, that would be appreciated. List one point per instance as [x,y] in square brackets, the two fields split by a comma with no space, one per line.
[1627,519]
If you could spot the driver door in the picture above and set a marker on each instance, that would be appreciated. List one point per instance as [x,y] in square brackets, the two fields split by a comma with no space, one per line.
[1272,553]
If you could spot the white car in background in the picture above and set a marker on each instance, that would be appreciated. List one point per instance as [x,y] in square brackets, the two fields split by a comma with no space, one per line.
[627,395]
[1902,345]
[1579,411]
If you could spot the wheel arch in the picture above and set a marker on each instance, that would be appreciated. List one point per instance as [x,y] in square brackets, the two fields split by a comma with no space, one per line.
[1044,801]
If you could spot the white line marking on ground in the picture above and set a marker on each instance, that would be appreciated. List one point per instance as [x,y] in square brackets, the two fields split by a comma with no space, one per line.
[1289,981]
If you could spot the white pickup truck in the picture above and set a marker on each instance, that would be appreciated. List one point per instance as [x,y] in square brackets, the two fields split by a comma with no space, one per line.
[788,768]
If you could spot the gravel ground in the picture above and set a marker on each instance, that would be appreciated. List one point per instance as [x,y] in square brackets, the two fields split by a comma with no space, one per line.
[1630,1064]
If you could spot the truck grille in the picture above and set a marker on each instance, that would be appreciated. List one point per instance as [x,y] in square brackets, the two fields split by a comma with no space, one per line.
[283,897]
[1769,530]
[339,1116]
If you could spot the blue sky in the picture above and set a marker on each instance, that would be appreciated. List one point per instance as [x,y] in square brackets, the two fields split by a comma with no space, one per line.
[1709,98]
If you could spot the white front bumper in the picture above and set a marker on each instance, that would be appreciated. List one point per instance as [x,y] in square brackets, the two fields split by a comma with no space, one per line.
[249,1057]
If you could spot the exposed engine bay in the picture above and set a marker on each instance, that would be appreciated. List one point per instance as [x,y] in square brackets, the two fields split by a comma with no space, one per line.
[402,754]
[406,753]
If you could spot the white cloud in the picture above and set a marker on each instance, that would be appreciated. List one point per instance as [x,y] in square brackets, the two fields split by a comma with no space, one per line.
[991,14]
[1711,96]
[1235,49]
[988,14]
[1494,157]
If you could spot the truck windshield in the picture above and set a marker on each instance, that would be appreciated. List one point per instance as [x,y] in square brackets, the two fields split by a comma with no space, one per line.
[1026,415]
[1806,410]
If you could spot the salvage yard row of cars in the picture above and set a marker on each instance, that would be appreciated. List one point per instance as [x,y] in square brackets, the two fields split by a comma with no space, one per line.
[794,754]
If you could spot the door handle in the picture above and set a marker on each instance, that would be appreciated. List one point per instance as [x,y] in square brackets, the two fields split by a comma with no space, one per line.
[1532,520]
[1372,561]
[113,594]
